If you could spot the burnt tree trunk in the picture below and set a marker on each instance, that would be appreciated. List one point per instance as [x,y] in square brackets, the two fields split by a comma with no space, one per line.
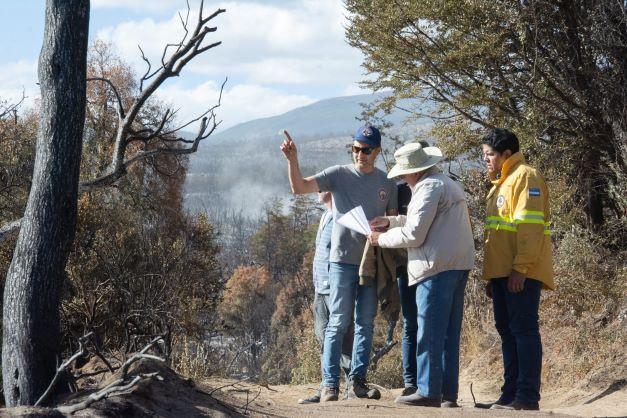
[30,343]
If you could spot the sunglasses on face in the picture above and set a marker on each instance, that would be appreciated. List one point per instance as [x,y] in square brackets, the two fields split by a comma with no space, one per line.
[365,150]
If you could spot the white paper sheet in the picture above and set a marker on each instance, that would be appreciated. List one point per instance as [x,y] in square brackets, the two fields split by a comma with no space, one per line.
[356,220]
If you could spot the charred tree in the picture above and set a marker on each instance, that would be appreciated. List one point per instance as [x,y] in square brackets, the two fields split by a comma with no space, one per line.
[32,290]
[30,345]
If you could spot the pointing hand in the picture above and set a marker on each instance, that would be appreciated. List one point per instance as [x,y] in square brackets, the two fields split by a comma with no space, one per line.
[288,147]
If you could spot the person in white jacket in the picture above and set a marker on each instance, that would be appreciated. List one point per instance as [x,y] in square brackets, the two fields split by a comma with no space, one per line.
[437,234]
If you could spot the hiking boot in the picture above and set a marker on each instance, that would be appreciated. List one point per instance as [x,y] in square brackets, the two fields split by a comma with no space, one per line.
[359,389]
[499,402]
[518,406]
[329,394]
[416,399]
[449,404]
[312,399]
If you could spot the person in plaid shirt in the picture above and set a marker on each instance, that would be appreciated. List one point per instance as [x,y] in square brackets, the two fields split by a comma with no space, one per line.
[321,284]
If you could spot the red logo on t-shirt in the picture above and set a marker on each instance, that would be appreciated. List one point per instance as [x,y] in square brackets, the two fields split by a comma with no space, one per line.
[382,194]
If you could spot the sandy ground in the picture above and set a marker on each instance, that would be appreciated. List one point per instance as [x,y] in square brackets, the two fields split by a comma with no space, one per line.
[281,401]
[169,395]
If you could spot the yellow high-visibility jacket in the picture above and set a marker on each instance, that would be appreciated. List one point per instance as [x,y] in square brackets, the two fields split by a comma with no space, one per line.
[517,234]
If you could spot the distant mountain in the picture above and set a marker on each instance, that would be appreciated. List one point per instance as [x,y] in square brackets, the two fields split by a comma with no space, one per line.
[329,117]
[242,167]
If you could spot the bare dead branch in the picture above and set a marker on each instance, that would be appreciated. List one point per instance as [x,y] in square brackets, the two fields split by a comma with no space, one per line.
[120,106]
[189,48]
[177,60]
[12,108]
[214,14]
[91,374]
[378,355]
[98,353]
[62,369]
[165,52]
[147,134]
[225,386]
[205,113]
[474,401]
[115,388]
[181,140]
[248,402]
[140,355]
[207,127]
[185,22]
[144,77]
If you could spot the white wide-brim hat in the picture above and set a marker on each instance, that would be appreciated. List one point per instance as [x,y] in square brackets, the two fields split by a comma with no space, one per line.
[412,157]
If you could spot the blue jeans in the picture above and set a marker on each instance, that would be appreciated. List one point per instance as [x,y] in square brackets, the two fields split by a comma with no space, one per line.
[440,304]
[516,320]
[321,319]
[410,326]
[348,297]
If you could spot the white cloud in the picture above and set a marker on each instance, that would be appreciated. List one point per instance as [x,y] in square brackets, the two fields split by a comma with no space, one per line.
[17,78]
[240,103]
[137,5]
[354,89]
[149,35]
[261,43]
[278,55]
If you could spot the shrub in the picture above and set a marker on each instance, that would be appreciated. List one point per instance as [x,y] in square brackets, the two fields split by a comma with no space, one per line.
[307,360]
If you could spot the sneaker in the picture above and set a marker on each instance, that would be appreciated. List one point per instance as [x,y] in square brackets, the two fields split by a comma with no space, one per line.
[409,390]
[312,399]
[518,406]
[329,394]
[449,404]
[417,400]
[359,389]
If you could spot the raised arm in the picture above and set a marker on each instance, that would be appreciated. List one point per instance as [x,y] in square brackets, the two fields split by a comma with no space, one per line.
[298,183]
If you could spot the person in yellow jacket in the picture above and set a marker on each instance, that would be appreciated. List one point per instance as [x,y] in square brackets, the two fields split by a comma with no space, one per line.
[517,265]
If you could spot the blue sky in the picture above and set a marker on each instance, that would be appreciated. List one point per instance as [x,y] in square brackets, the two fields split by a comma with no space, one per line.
[278,55]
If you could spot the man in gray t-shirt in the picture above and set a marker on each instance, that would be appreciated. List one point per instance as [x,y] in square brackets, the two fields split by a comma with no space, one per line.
[351,188]
[358,184]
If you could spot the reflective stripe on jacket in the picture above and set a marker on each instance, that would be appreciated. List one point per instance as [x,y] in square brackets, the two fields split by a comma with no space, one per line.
[517,229]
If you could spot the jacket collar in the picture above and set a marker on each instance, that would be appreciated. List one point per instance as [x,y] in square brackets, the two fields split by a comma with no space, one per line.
[508,167]
[428,171]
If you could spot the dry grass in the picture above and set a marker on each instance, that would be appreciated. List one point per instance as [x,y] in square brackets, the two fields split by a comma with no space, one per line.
[584,321]
[307,359]
[192,359]
[389,370]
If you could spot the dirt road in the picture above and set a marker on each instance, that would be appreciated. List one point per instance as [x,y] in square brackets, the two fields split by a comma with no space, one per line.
[281,401]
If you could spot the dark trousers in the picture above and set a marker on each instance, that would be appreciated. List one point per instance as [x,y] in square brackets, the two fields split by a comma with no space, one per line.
[410,326]
[516,320]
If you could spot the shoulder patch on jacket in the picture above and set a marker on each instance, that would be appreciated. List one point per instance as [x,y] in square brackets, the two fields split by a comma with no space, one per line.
[534,191]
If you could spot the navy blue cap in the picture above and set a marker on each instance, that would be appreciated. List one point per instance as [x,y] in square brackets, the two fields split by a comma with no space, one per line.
[370,135]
